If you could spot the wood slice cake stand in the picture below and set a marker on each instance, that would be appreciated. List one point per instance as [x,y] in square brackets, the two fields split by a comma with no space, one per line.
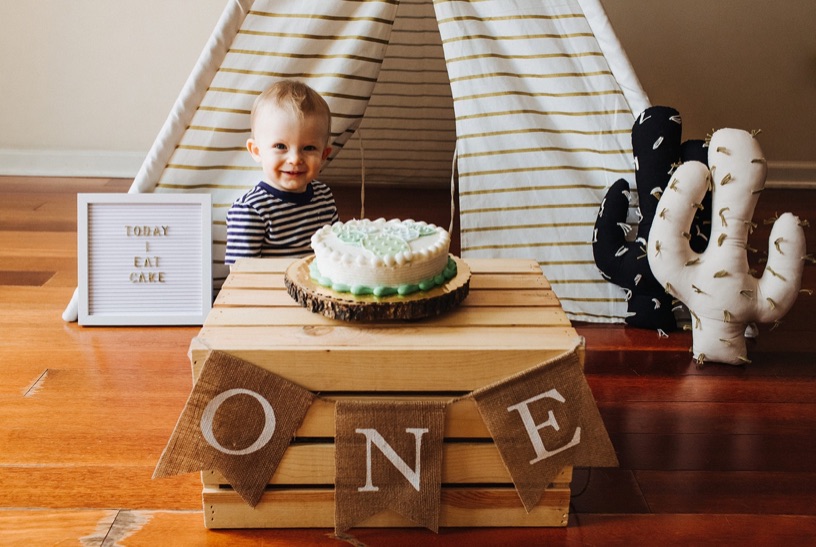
[349,307]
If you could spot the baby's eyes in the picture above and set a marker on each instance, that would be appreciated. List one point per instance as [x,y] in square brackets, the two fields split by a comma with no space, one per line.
[281,147]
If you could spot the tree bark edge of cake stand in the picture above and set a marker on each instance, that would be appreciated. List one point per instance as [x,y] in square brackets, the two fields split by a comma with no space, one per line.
[348,307]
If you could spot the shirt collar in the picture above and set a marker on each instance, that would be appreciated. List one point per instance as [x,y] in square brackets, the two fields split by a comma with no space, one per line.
[290,197]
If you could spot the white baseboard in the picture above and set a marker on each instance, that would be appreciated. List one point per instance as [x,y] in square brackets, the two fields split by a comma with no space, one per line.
[791,174]
[104,163]
[70,163]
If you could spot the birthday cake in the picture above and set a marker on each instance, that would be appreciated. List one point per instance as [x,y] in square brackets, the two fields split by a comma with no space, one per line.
[381,257]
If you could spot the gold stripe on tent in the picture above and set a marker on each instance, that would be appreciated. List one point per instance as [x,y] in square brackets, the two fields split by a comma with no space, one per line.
[543,129]
[408,134]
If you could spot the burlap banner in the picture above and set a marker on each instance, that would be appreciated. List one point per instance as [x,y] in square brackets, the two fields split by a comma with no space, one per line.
[542,420]
[239,420]
[388,456]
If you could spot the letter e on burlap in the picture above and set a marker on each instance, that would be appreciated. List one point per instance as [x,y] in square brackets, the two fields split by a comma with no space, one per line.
[238,420]
[542,420]
[388,456]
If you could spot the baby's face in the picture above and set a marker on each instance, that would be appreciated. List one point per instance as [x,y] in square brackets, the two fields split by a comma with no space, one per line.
[291,150]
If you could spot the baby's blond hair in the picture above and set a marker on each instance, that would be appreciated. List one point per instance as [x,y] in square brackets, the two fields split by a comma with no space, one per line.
[294,96]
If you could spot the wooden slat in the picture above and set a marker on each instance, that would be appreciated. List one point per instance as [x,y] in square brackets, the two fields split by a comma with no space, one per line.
[462,463]
[235,297]
[512,297]
[504,266]
[253,298]
[332,367]
[263,281]
[389,339]
[509,281]
[315,508]
[476,316]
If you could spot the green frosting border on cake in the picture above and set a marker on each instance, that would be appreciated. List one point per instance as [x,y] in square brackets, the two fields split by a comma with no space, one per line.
[448,273]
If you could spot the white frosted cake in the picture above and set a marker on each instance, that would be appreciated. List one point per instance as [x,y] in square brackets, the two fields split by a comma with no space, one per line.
[381,257]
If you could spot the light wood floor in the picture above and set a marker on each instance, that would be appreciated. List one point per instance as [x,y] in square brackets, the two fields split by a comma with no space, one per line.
[717,455]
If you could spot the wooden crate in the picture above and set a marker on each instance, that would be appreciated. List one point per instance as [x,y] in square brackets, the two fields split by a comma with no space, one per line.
[510,321]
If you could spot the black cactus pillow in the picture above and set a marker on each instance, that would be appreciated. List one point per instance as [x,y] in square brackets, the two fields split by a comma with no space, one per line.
[620,253]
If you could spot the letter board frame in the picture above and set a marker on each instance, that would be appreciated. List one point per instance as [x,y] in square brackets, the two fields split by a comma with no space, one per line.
[144,259]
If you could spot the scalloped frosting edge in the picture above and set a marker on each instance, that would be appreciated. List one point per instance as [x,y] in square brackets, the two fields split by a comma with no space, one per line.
[372,258]
[448,273]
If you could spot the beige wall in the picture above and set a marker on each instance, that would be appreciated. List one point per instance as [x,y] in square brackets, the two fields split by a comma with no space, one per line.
[749,64]
[93,78]
[89,76]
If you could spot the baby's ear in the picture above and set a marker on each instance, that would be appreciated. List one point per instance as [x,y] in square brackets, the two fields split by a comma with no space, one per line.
[253,149]
[326,152]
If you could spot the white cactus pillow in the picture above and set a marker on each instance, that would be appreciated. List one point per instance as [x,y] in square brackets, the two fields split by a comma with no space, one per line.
[716,285]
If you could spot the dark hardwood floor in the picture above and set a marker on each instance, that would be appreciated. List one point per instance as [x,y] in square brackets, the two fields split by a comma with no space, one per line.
[711,455]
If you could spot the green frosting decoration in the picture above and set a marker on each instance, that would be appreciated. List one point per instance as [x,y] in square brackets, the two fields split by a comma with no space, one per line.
[403,290]
[385,240]
[384,291]
[383,244]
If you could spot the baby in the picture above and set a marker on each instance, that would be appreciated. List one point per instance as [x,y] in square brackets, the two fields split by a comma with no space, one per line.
[291,128]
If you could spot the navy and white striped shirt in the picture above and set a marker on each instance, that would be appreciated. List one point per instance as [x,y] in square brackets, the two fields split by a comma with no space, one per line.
[267,222]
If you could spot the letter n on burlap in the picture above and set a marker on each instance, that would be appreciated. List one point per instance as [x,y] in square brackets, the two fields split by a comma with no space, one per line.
[238,420]
[388,456]
[543,419]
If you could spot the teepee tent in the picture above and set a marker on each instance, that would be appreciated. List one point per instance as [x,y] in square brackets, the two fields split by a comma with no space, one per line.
[531,102]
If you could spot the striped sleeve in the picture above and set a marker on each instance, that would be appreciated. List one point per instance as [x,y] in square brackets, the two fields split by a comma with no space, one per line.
[245,232]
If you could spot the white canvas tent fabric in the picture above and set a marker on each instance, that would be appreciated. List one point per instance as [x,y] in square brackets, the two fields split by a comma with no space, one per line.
[535,95]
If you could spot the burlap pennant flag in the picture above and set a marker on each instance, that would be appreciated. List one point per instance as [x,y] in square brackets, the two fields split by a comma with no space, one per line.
[388,456]
[542,420]
[238,420]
